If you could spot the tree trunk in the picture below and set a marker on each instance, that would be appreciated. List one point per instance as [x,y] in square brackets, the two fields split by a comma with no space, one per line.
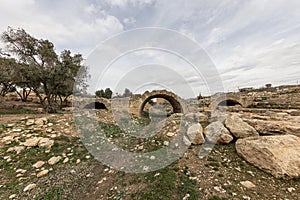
[24,95]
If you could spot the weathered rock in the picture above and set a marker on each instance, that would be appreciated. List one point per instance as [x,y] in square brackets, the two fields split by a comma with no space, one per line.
[195,134]
[45,142]
[32,142]
[217,133]
[170,134]
[10,125]
[29,187]
[49,130]
[202,117]
[275,127]
[238,127]
[218,115]
[30,122]
[66,160]
[278,155]
[42,173]
[186,141]
[41,121]
[54,160]
[195,117]
[38,164]
[13,196]
[16,130]
[22,171]
[17,149]
[291,189]
[247,184]
[7,139]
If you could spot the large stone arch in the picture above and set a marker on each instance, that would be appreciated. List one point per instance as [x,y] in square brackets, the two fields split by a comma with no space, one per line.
[137,102]
[232,98]
[229,102]
[97,103]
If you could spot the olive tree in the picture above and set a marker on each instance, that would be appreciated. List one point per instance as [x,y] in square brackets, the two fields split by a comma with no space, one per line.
[45,72]
[7,69]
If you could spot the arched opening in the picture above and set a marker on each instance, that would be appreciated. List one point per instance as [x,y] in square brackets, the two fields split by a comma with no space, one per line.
[229,102]
[96,105]
[160,105]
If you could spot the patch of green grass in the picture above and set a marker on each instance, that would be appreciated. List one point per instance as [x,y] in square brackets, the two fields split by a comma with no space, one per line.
[3,128]
[160,187]
[169,184]
[111,130]
[224,164]
[214,164]
[211,159]
[217,198]
[187,186]
[28,157]
[54,193]
[17,111]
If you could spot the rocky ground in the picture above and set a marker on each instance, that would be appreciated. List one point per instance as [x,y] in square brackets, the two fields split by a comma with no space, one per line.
[42,157]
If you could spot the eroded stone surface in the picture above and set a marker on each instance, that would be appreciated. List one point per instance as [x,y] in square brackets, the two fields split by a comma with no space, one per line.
[238,127]
[217,133]
[278,155]
[195,134]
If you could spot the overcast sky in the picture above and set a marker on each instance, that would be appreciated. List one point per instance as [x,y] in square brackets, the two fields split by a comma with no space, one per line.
[251,42]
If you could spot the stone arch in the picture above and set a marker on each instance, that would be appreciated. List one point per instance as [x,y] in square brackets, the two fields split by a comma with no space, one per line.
[231,99]
[98,103]
[172,98]
[95,105]
[229,102]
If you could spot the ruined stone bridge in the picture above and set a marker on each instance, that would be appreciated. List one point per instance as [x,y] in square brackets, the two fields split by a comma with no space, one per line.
[136,104]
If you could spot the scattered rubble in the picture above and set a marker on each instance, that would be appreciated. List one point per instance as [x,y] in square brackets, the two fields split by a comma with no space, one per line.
[29,187]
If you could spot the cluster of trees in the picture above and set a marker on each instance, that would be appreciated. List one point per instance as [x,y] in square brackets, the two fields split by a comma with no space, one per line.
[33,65]
[107,93]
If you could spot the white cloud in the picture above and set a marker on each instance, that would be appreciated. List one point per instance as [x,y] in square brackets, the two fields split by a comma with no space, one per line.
[80,33]
[125,3]
[187,33]
[90,9]
[129,20]
[251,42]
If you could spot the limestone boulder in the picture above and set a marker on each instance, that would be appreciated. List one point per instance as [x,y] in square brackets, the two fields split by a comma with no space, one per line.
[195,134]
[42,173]
[45,142]
[54,160]
[202,117]
[238,127]
[218,115]
[41,121]
[278,155]
[29,187]
[32,142]
[30,122]
[272,127]
[217,133]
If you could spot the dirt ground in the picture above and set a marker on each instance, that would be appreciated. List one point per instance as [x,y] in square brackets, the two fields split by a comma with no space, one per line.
[216,176]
